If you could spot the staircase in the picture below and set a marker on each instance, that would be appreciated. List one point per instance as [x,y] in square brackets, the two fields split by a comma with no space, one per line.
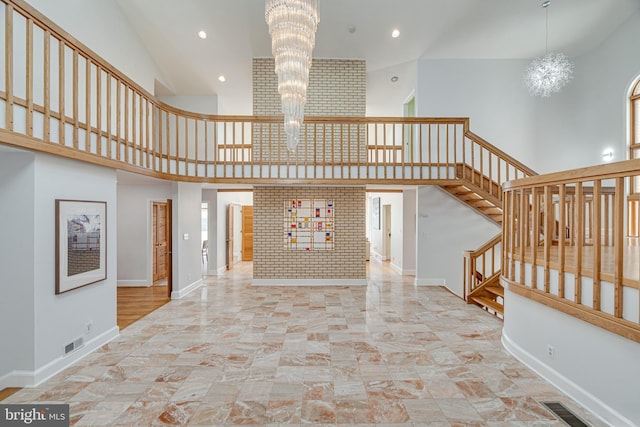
[478,191]
[482,283]
[490,296]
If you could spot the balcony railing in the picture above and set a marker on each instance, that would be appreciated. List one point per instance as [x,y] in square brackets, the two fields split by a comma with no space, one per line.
[566,244]
[58,96]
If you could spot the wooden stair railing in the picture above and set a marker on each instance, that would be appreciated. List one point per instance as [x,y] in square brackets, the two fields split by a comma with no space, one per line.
[481,272]
[593,273]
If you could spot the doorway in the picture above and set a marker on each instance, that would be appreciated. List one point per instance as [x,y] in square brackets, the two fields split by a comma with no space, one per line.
[386,231]
[234,234]
[247,233]
[161,244]
[133,303]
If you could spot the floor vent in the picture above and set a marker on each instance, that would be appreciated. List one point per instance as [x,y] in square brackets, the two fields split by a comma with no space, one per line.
[73,345]
[561,411]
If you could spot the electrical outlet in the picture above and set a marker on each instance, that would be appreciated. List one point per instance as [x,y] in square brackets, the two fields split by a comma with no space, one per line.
[89,326]
[550,351]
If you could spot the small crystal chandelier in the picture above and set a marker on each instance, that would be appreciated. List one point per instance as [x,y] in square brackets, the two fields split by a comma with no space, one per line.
[292,26]
[549,74]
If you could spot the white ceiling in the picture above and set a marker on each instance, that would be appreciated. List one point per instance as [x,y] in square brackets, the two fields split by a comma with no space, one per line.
[237,33]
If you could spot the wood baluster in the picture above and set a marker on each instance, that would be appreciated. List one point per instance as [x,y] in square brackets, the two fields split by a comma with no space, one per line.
[47,87]
[618,240]
[8,66]
[596,239]
[524,229]
[561,238]
[29,76]
[549,222]
[579,223]
[76,123]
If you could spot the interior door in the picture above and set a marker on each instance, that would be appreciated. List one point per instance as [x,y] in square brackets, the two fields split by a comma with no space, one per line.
[230,215]
[169,246]
[247,233]
[386,212]
[160,243]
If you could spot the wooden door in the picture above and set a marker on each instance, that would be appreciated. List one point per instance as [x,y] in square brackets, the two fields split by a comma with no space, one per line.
[230,237]
[386,212]
[247,233]
[160,240]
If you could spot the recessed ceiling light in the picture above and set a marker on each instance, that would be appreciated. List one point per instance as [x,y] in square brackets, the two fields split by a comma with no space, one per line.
[395,33]
[202,34]
[394,79]
[222,78]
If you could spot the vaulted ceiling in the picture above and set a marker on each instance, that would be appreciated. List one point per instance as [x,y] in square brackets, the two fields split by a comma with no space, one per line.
[237,33]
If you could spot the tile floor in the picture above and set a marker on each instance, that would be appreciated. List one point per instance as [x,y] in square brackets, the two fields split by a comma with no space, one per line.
[388,354]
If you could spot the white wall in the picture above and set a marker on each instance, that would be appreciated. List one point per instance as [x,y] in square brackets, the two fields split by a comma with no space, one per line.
[101,26]
[566,131]
[41,323]
[490,92]
[61,319]
[591,113]
[135,257]
[210,197]
[409,241]
[17,271]
[194,104]
[446,227]
[187,258]
[597,368]
[386,98]
[224,199]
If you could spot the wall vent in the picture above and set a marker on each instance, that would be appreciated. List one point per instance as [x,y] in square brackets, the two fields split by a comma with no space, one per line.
[564,414]
[73,345]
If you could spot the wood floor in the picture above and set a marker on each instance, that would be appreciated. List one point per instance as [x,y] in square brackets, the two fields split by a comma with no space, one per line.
[135,303]
[631,261]
[6,392]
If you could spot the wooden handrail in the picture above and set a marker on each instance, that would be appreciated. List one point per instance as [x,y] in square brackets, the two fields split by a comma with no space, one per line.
[485,247]
[570,227]
[501,154]
[601,172]
[481,265]
[117,120]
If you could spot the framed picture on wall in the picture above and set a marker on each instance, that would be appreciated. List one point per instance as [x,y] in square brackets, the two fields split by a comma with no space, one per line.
[375,213]
[81,246]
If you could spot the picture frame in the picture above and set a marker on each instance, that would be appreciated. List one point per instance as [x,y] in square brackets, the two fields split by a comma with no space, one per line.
[375,213]
[81,245]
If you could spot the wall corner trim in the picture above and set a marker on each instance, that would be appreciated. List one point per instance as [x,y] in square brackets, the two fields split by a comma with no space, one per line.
[429,282]
[37,377]
[181,293]
[596,406]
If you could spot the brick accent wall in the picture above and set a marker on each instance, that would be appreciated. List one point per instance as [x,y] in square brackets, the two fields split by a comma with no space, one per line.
[272,261]
[337,87]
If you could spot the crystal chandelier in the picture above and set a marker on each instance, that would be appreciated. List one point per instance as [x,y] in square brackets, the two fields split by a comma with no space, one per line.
[547,75]
[292,26]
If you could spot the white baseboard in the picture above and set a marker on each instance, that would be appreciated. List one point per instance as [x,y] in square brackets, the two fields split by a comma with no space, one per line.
[596,406]
[37,377]
[395,268]
[181,293]
[375,256]
[430,282]
[309,282]
[221,270]
[133,283]
[408,272]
